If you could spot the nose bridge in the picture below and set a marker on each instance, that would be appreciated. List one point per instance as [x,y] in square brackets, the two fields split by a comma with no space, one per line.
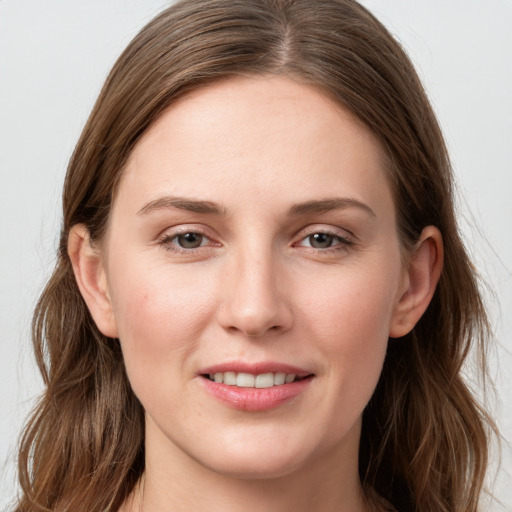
[253,301]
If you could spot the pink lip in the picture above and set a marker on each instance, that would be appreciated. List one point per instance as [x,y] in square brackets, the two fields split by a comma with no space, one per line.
[255,399]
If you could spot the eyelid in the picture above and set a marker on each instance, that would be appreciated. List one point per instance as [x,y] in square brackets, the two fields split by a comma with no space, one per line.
[180,229]
[170,233]
[340,233]
[343,241]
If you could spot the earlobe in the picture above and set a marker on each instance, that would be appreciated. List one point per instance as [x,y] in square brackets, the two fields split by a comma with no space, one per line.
[423,273]
[91,279]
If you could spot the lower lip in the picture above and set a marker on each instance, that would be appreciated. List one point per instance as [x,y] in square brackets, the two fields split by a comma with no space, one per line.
[255,399]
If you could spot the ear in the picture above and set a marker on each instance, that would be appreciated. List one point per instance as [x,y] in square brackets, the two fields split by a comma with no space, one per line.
[422,275]
[91,278]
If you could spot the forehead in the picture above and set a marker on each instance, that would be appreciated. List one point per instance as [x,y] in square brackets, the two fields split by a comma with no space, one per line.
[256,135]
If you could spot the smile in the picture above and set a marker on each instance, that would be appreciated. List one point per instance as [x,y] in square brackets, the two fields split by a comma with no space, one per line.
[255,387]
[248,380]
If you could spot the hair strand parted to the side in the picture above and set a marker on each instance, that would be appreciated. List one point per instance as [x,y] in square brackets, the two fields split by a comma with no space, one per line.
[424,437]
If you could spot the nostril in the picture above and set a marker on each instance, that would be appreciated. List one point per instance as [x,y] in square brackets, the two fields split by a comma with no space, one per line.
[254,313]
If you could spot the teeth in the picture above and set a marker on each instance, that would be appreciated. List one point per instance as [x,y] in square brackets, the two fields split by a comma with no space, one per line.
[229,378]
[248,380]
[245,380]
[279,378]
[265,380]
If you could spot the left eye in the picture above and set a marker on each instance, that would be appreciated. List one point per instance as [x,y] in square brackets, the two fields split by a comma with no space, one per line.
[322,240]
[189,240]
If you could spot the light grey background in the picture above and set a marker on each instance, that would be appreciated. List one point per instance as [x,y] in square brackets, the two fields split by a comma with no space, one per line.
[54,56]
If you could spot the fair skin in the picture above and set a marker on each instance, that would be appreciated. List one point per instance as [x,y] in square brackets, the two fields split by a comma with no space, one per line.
[254,232]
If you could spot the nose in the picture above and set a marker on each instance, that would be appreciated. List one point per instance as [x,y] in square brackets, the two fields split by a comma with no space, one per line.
[255,301]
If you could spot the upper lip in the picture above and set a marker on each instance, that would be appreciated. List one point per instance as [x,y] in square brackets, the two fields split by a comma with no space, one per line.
[255,368]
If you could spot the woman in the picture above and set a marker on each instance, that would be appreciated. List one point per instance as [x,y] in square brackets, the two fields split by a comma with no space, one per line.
[261,293]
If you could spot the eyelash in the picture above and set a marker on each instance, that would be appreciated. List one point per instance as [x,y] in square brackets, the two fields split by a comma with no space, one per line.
[344,241]
[167,241]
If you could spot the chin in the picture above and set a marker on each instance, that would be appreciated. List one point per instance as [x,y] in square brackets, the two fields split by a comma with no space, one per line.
[256,468]
[266,459]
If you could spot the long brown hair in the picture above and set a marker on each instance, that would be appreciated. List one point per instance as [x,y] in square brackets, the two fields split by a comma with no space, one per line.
[424,437]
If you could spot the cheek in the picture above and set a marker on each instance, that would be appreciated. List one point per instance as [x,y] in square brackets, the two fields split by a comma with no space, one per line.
[350,321]
[160,314]
[355,335]
[355,304]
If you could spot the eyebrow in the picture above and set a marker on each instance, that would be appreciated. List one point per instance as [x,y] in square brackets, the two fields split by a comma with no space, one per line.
[183,203]
[329,204]
[210,207]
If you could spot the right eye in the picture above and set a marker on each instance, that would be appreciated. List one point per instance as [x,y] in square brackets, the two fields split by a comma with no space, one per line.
[189,240]
[322,240]
[186,241]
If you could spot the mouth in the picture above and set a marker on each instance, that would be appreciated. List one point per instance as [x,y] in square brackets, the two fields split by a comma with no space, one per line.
[259,381]
[255,387]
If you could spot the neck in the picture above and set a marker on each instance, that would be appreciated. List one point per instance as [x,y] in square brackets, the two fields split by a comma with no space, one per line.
[330,483]
[232,495]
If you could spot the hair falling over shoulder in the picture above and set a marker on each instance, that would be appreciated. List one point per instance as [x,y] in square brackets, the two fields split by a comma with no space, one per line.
[424,437]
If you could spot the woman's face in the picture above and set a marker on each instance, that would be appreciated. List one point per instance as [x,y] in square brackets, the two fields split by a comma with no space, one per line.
[253,241]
